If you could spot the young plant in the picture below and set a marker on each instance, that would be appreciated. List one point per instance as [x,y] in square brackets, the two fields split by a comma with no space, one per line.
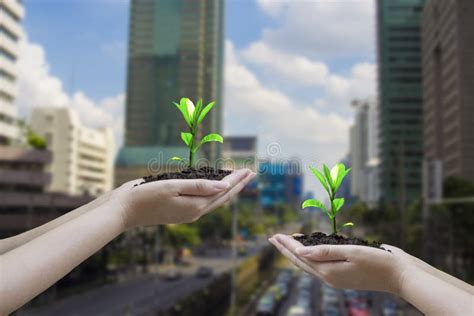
[331,181]
[194,115]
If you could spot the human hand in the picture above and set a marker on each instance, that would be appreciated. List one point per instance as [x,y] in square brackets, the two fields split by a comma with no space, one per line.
[175,201]
[347,266]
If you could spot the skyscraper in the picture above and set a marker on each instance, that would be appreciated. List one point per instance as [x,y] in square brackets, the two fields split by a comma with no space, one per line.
[400,99]
[364,151]
[448,76]
[11,14]
[175,50]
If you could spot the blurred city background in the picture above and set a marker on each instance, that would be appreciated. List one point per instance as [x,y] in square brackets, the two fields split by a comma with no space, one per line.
[86,92]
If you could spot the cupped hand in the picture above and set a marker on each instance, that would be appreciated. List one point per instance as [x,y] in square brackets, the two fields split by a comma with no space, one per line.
[175,201]
[348,266]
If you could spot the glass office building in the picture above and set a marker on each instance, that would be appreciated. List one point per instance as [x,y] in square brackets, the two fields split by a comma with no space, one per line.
[175,50]
[400,99]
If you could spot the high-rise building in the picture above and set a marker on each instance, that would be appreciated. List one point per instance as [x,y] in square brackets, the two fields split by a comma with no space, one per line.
[364,151]
[400,99]
[448,94]
[83,157]
[11,14]
[175,50]
[281,182]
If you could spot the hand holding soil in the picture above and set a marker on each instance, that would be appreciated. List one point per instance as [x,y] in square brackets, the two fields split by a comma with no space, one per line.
[175,201]
[347,266]
[367,268]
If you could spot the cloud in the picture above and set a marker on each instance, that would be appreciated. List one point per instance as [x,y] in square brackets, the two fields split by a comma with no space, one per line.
[303,131]
[296,68]
[38,87]
[306,72]
[323,28]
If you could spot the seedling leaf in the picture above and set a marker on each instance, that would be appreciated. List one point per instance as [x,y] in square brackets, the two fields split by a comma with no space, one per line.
[313,203]
[334,173]
[197,112]
[320,177]
[342,173]
[176,158]
[338,203]
[187,138]
[327,173]
[204,112]
[190,108]
[184,111]
[212,138]
[349,224]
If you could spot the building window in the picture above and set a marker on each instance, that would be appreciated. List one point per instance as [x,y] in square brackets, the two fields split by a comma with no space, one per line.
[7,54]
[8,33]
[6,75]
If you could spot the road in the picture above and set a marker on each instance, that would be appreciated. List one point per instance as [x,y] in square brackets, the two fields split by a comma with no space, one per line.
[140,295]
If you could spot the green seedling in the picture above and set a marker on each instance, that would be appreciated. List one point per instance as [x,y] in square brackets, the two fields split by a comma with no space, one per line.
[331,181]
[194,115]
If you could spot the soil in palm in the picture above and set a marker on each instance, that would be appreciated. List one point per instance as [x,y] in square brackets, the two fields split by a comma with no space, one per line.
[190,173]
[319,238]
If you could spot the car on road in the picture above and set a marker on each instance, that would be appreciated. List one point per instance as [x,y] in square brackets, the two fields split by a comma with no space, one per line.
[172,274]
[390,308]
[266,305]
[204,272]
[330,310]
[297,310]
[358,309]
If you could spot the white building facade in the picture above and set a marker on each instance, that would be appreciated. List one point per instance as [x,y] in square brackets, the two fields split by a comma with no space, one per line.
[11,15]
[364,151]
[83,158]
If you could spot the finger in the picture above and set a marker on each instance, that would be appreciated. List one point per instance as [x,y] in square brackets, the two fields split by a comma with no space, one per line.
[200,187]
[197,187]
[227,196]
[288,242]
[221,186]
[236,176]
[324,253]
[300,263]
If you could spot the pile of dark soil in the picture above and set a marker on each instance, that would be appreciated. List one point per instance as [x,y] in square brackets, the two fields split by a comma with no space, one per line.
[189,173]
[319,238]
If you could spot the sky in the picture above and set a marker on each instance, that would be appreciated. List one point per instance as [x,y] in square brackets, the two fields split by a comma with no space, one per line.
[292,68]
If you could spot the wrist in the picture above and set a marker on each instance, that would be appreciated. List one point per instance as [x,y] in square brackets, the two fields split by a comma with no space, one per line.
[118,212]
[403,269]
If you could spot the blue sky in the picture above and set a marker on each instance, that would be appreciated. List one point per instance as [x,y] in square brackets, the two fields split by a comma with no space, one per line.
[77,34]
[294,66]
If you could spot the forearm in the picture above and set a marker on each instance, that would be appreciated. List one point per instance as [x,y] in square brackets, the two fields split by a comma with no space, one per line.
[444,276]
[31,268]
[18,240]
[434,296]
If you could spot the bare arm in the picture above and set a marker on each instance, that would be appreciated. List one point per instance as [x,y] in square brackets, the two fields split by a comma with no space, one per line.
[443,276]
[31,268]
[435,296]
[10,243]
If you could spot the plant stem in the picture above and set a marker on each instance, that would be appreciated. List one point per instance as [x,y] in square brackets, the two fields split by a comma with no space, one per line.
[334,228]
[191,152]
[191,158]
